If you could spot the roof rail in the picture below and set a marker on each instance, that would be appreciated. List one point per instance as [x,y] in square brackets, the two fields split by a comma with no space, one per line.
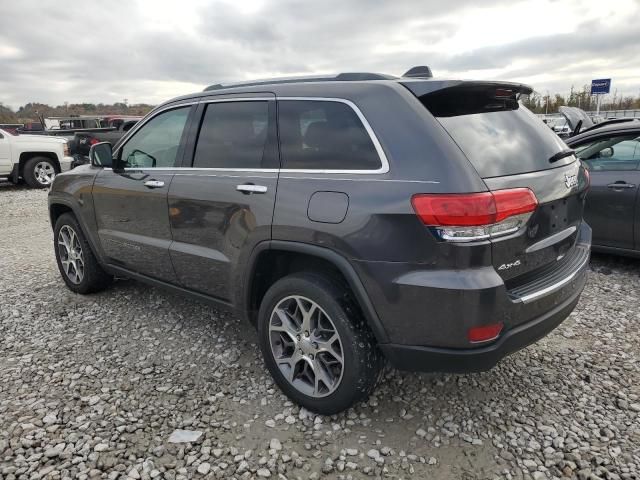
[341,77]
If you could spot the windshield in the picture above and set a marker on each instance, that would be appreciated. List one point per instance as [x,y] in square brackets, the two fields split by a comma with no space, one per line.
[499,136]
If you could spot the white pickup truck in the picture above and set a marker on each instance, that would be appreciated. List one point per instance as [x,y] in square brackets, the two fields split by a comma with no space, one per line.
[35,158]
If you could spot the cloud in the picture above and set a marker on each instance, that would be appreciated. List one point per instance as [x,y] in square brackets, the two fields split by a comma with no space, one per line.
[149,51]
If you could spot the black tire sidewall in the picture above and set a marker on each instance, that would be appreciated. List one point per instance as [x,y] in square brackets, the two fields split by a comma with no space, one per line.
[29,173]
[357,347]
[94,276]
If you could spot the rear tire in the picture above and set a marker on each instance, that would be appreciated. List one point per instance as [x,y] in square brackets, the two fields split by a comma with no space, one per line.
[335,342]
[78,265]
[39,172]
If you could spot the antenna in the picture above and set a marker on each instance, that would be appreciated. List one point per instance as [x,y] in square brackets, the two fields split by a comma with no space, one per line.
[421,71]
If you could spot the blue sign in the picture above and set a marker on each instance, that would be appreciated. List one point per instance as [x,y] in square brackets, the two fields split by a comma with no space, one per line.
[601,85]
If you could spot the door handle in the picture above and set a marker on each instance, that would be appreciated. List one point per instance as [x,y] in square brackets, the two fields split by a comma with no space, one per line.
[621,185]
[248,188]
[154,183]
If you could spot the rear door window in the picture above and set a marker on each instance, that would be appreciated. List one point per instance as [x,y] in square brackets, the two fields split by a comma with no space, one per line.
[324,135]
[498,135]
[234,135]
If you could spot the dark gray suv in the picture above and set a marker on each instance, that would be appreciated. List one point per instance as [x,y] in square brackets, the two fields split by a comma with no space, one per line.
[436,224]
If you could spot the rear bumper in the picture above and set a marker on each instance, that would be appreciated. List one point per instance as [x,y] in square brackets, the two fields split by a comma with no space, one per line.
[431,359]
[427,313]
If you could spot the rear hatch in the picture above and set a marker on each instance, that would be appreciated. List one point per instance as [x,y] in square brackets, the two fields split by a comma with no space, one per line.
[577,119]
[511,148]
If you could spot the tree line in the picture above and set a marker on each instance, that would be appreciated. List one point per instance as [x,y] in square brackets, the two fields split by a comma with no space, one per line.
[31,111]
[581,98]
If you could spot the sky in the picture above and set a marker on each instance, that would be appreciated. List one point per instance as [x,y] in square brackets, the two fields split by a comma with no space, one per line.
[148,51]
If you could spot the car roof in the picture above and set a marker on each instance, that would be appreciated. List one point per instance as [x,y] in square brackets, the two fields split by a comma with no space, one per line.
[333,84]
[615,129]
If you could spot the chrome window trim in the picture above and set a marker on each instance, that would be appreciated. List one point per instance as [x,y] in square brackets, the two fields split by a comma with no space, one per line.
[239,99]
[182,170]
[384,162]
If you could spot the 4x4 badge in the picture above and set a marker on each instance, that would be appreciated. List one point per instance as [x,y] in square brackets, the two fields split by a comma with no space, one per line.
[570,180]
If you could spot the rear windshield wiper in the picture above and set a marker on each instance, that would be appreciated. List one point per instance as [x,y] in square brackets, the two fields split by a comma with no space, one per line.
[562,154]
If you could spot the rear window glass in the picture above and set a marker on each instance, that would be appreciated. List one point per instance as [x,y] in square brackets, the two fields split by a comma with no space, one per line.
[498,135]
[324,135]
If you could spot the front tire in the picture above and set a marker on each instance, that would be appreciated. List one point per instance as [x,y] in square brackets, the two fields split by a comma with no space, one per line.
[78,265]
[316,345]
[39,172]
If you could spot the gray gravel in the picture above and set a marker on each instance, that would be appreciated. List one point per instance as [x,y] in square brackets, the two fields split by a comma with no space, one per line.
[94,387]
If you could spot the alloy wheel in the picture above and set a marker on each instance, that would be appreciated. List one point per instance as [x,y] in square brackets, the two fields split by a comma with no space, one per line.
[71,256]
[44,173]
[306,346]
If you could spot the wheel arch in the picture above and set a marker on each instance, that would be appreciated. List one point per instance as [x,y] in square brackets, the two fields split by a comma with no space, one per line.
[298,257]
[26,156]
[59,206]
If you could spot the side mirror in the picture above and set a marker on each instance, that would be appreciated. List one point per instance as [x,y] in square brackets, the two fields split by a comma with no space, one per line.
[100,155]
[606,152]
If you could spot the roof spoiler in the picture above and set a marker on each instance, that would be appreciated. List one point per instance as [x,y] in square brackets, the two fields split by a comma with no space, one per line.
[419,88]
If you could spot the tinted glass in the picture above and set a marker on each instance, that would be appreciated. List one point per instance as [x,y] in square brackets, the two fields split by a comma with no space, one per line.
[156,143]
[322,135]
[498,136]
[612,153]
[233,135]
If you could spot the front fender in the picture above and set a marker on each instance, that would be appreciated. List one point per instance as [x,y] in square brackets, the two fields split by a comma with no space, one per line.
[73,191]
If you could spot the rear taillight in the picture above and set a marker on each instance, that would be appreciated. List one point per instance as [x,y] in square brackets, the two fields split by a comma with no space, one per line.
[587,177]
[475,216]
[93,141]
[65,149]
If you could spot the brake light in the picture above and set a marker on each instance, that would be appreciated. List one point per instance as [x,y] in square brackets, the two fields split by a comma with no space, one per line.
[484,333]
[475,216]
[93,141]
[503,93]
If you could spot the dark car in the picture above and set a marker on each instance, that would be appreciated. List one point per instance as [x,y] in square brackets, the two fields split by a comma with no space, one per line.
[611,153]
[433,223]
[83,141]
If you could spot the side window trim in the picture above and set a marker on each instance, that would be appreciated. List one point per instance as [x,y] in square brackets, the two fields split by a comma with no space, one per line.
[384,162]
[189,138]
[183,139]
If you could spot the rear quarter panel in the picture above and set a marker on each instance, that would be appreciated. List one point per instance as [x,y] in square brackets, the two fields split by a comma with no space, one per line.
[380,224]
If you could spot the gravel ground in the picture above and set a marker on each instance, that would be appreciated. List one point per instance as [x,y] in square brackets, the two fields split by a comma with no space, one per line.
[94,386]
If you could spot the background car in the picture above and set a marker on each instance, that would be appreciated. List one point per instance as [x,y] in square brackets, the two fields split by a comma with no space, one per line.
[611,153]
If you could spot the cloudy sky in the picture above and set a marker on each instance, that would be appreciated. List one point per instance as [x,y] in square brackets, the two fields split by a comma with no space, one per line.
[152,50]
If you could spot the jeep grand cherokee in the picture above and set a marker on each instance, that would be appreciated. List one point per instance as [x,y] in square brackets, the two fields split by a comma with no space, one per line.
[433,223]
